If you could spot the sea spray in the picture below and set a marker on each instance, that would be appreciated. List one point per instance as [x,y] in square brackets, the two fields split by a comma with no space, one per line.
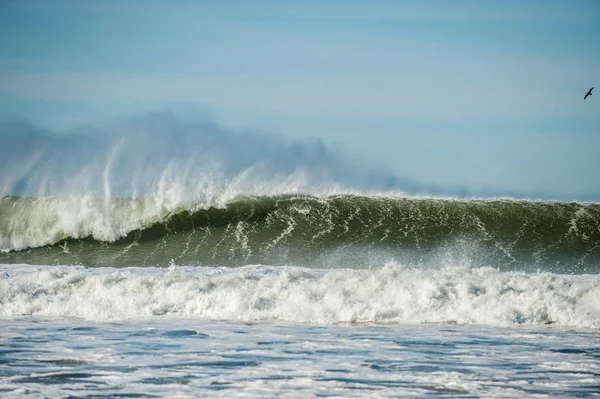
[159,152]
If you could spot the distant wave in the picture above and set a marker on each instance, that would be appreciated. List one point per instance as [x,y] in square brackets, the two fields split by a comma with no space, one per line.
[390,293]
[303,230]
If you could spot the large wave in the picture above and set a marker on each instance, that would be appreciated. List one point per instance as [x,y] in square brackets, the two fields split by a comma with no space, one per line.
[345,230]
[162,189]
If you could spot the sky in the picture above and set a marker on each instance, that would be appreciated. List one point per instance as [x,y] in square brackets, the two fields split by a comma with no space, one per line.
[485,95]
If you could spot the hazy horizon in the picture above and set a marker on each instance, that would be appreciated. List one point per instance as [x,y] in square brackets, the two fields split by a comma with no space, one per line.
[470,99]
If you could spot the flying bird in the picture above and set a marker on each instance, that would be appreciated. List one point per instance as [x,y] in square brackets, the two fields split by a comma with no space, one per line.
[589,93]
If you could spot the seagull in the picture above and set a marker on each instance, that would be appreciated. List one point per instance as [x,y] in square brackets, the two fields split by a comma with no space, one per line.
[589,93]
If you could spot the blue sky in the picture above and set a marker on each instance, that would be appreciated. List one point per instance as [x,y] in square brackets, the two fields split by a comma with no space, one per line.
[486,95]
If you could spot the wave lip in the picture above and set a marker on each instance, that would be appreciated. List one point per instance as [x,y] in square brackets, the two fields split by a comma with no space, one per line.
[388,294]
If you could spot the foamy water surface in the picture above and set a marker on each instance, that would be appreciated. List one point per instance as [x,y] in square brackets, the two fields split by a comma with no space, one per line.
[207,358]
[388,294]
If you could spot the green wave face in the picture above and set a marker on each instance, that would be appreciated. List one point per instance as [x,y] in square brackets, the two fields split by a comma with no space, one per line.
[334,231]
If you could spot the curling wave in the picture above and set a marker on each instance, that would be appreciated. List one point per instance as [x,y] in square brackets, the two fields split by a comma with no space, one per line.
[340,230]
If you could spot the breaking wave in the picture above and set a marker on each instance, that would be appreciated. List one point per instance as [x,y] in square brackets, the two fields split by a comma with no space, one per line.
[303,230]
[387,294]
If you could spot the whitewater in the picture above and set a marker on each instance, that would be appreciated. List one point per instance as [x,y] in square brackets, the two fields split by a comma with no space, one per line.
[160,257]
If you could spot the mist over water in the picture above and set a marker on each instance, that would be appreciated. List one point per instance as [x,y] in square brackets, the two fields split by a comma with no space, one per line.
[163,152]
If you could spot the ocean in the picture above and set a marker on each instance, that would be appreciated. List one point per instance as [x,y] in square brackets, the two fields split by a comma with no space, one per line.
[298,295]
[161,256]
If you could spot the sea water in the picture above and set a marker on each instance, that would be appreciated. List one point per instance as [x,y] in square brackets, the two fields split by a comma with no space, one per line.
[187,358]
[276,331]
[186,261]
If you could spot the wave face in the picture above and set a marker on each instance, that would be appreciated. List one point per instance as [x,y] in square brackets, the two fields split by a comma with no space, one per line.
[331,231]
[390,293]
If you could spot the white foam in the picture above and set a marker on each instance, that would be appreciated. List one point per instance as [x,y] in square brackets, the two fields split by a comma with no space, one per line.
[389,294]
